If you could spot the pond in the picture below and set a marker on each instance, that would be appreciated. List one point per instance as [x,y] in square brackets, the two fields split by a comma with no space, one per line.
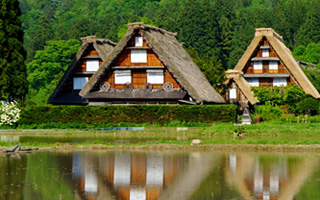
[139,175]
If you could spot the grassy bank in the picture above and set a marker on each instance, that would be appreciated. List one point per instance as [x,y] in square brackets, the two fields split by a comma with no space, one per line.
[265,133]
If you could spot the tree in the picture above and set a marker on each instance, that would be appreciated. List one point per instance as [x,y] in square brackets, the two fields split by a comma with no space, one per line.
[310,31]
[295,12]
[48,67]
[13,73]
[40,37]
[83,27]
[211,68]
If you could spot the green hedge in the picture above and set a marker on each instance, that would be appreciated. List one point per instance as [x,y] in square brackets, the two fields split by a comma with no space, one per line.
[149,114]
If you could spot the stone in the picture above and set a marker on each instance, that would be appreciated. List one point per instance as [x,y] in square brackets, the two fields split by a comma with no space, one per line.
[196,142]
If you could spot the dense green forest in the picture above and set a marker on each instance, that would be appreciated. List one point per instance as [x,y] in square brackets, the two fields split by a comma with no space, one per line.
[215,32]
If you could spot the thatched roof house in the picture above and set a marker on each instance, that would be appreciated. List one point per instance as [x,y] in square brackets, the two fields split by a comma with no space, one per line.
[239,91]
[149,65]
[87,60]
[268,62]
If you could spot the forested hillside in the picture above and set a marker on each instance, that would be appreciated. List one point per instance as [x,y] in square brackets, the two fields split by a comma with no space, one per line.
[215,32]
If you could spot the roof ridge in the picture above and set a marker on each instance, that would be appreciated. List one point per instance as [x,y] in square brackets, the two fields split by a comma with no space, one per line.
[93,38]
[136,25]
[268,32]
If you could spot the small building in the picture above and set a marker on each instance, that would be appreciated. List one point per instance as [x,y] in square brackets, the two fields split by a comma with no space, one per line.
[239,90]
[149,66]
[86,62]
[266,62]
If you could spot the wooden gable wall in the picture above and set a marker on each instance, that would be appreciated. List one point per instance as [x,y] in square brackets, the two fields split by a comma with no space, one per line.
[80,69]
[268,80]
[138,70]
[91,53]
[240,97]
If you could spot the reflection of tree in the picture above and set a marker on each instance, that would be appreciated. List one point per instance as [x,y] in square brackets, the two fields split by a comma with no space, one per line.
[12,176]
[44,179]
[269,176]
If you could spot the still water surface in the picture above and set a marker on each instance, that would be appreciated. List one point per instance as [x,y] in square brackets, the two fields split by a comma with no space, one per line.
[139,175]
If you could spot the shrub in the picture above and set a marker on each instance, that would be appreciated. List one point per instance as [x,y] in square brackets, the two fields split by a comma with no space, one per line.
[9,113]
[308,106]
[268,112]
[148,114]
[274,95]
[292,95]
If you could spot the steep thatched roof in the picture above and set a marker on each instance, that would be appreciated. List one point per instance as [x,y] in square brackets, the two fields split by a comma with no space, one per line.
[103,48]
[172,55]
[244,86]
[285,56]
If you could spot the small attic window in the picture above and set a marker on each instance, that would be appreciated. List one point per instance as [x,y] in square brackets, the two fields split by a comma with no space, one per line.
[138,42]
[139,56]
[92,65]
[265,52]
[79,82]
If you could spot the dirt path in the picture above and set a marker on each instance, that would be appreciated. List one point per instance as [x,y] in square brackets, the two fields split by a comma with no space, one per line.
[173,147]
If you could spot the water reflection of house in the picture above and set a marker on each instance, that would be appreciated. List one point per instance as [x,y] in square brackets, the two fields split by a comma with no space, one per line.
[125,175]
[273,178]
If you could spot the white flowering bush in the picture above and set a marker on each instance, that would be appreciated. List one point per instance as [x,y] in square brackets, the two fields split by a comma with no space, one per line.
[9,113]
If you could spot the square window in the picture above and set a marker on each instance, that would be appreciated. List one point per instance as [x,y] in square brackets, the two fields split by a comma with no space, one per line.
[273,65]
[265,52]
[139,56]
[138,42]
[232,93]
[257,65]
[254,82]
[92,65]
[155,76]
[279,81]
[122,77]
[79,82]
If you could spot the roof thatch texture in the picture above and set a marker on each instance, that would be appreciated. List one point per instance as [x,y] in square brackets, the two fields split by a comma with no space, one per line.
[285,56]
[172,55]
[244,86]
[103,48]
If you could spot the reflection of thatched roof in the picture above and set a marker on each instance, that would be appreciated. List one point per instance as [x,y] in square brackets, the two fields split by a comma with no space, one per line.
[172,55]
[103,48]
[243,85]
[285,56]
